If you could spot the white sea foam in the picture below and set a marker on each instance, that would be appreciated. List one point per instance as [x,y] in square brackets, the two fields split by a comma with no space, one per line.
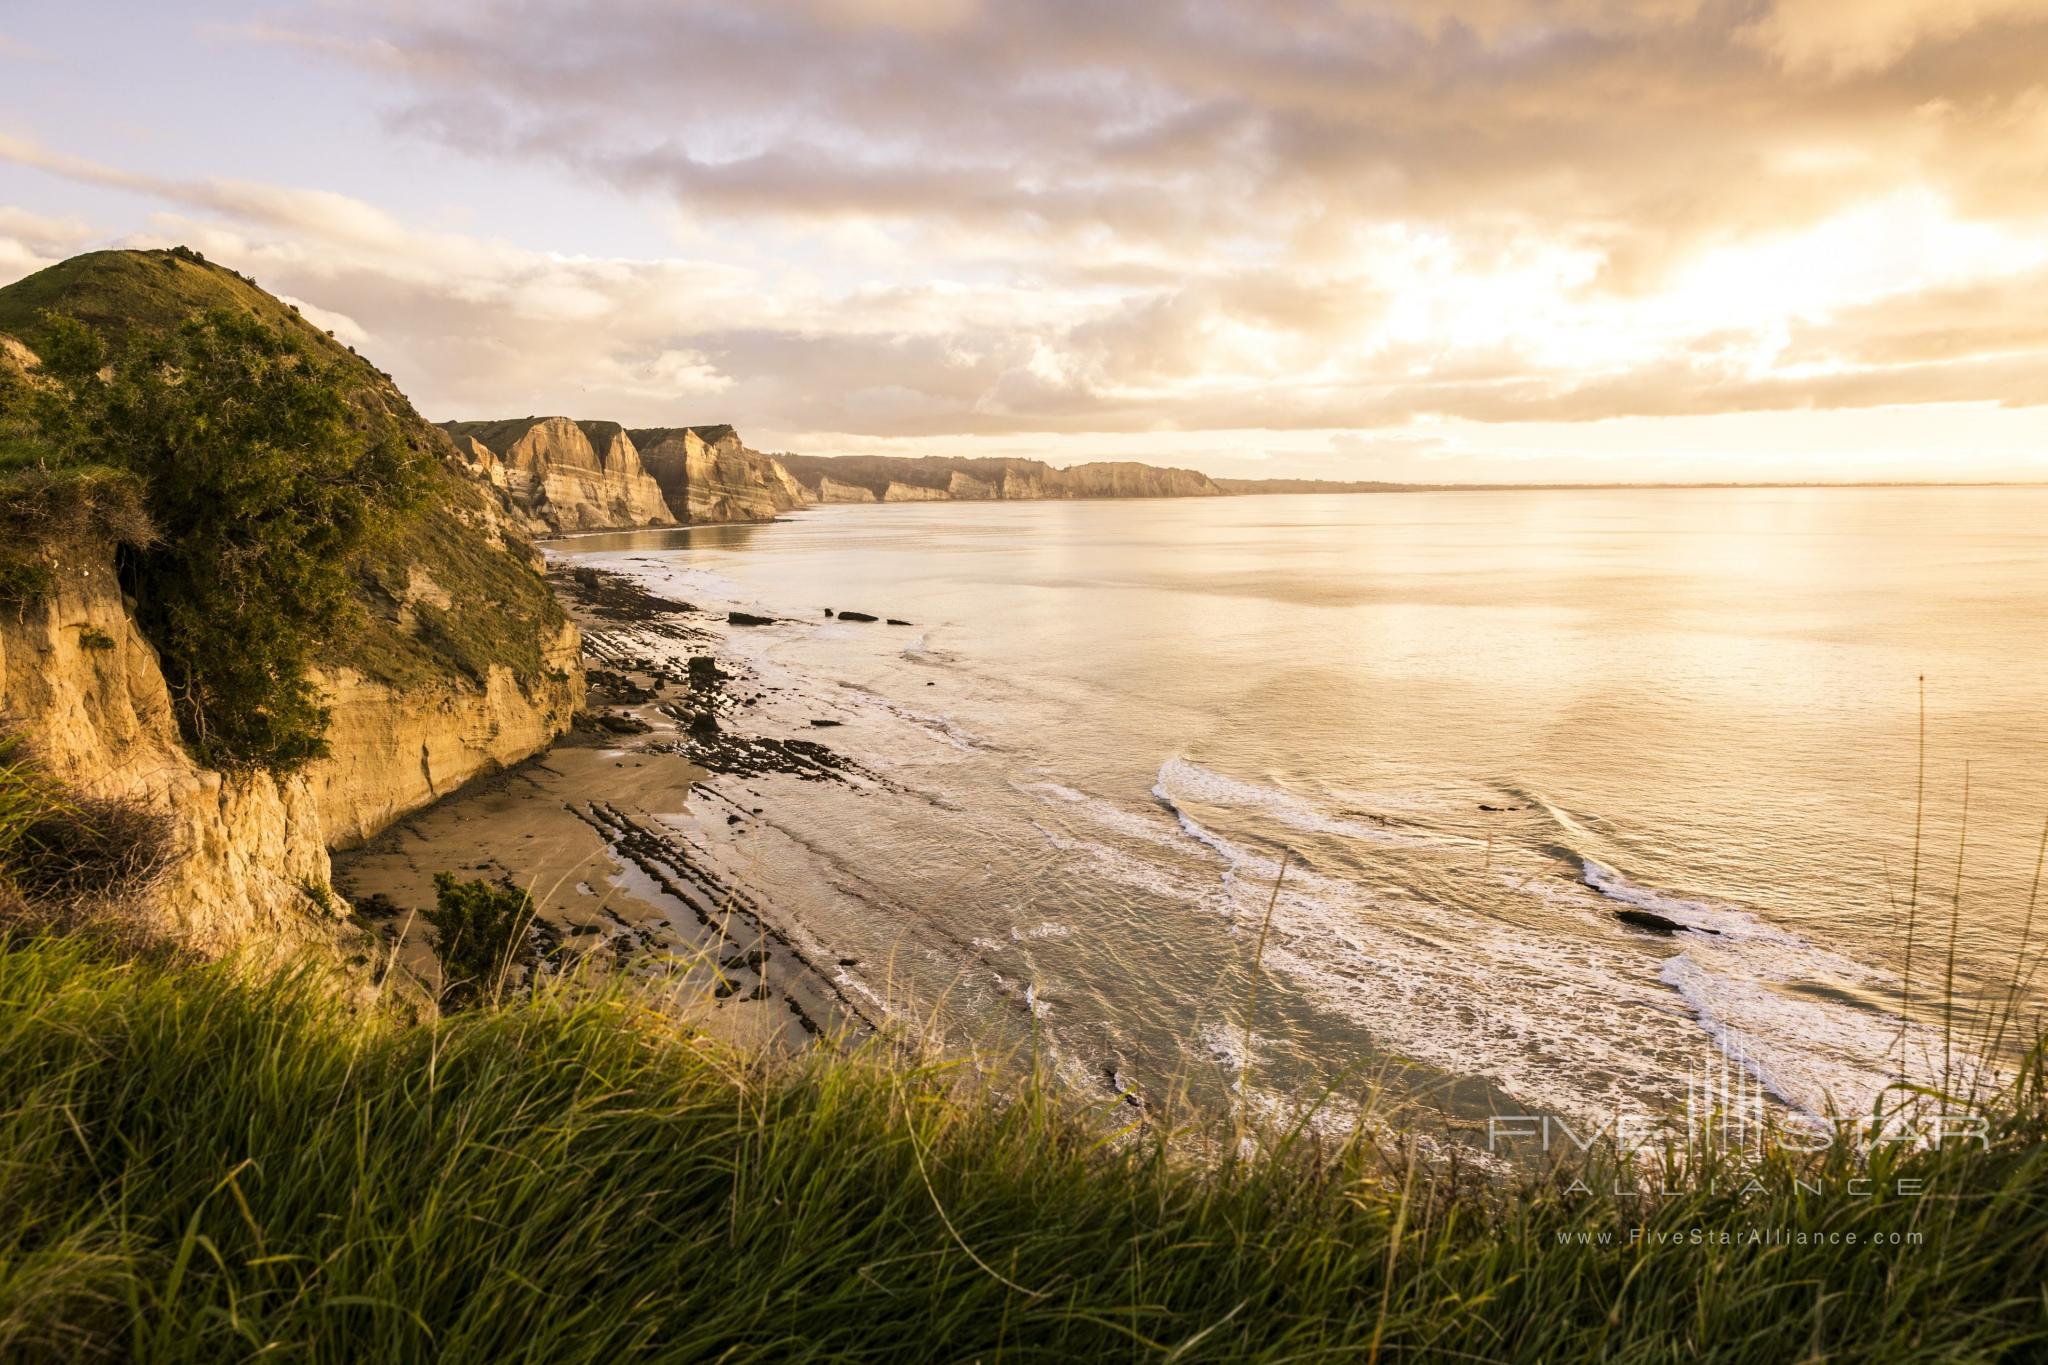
[1817,1055]
[1694,914]
[1149,825]
[1181,781]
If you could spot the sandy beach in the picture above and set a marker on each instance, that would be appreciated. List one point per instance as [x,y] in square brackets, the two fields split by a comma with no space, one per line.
[609,828]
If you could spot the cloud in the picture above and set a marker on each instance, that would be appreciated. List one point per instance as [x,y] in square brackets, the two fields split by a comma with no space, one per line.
[907,220]
[1841,37]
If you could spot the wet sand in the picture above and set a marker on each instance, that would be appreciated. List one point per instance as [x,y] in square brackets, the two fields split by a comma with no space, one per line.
[606,830]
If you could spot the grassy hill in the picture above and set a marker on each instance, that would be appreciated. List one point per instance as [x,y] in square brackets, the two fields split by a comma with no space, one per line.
[500,609]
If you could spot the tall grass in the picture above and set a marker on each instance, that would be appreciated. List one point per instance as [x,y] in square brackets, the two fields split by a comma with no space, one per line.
[200,1165]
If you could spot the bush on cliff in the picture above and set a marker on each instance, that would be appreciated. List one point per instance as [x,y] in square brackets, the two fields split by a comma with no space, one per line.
[95,310]
[198,1166]
[263,488]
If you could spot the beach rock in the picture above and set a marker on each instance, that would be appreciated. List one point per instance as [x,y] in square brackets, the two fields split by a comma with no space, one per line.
[894,621]
[747,618]
[704,672]
[1656,923]
[703,723]
[623,724]
[823,724]
[856,616]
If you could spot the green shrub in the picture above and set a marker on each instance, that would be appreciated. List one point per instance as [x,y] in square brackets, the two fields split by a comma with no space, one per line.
[263,484]
[487,938]
[45,511]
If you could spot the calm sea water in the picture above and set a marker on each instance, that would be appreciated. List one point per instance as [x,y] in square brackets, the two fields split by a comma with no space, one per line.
[1111,720]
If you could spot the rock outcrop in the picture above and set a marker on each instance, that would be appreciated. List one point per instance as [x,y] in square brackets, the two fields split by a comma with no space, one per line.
[910,492]
[708,474]
[569,475]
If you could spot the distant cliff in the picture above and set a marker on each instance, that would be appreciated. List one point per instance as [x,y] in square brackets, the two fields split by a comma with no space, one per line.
[1255,486]
[562,475]
[708,474]
[883,478]
[565,475]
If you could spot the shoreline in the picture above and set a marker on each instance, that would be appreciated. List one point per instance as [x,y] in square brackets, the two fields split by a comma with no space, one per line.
[613,829]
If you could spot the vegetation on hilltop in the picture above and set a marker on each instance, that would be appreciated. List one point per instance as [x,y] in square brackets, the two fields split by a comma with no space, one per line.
[262,486]
[302,501]
[202,1168]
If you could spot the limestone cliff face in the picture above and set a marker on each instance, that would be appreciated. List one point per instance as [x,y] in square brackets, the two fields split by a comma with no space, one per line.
[1023,484]
[708,474]
[898,479]
[393,752]
[571,476]
[250,866]
[1129,479]
[83,686]
[831,490]
[458,662]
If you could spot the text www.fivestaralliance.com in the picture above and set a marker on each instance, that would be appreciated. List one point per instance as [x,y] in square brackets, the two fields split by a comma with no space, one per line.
[1747,1236]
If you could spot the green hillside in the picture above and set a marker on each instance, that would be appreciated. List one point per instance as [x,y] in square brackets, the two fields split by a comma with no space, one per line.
[441,543]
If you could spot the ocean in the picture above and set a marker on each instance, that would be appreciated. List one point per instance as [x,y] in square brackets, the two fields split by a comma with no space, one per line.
[1475,726]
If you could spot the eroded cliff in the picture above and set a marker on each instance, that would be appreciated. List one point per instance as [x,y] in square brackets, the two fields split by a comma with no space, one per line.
[708,474]
[931,478]
[568,475]
[80,684]
[450,658]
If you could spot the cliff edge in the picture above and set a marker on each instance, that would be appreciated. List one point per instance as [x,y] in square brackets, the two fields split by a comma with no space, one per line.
[447,656]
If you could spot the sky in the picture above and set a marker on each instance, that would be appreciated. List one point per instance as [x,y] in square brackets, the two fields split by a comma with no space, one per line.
[1503,240]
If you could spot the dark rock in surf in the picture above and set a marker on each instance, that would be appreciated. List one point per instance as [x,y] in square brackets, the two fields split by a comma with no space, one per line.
[825,724]
[857,616]
[747,618]
[1656,923]
[828,611]
[623,725]
[704,671]
[1497,809]
[895,622]
[703,725]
